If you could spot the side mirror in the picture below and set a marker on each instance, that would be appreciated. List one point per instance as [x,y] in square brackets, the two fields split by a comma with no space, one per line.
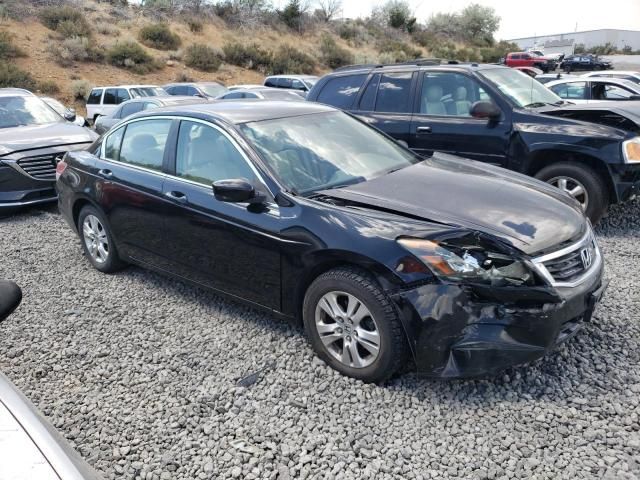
[10,297]
[486,110]
[236,190]
[70,115]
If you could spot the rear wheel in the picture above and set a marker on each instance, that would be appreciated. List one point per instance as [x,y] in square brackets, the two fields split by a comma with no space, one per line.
[582,183]
[97,241]
[353,326]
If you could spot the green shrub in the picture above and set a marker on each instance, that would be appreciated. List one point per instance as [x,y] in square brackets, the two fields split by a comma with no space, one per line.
[159,36]
[195,25]
[7,47]
[183,77]
[202,57]
[48,87]
[75,49]
[132,56]
[80,89]
[390,45]
[65,20]
[288,59]
[332,54]
[12,76]
[105,28]
[251,56]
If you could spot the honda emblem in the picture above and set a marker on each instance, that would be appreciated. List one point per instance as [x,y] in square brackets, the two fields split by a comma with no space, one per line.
[587,257]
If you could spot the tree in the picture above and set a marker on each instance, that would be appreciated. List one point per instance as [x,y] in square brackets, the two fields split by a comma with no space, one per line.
[478,24]
[328,9]
[293,13]
[395,14]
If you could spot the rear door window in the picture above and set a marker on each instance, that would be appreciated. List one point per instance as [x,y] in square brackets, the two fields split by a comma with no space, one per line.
[94,97]
[341,91]
[144,141]
[284,82]
[122,95]
[368,99]
[394,92]
[110,96]
[131,108]
[112,144]
[271,82]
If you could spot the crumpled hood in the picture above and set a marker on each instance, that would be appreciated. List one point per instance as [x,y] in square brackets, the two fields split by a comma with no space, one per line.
[522,211]
[31,137]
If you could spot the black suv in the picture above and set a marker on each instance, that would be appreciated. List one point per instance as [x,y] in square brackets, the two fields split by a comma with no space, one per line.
[493,114]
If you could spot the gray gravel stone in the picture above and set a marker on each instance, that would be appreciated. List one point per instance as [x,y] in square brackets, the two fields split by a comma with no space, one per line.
[139,372]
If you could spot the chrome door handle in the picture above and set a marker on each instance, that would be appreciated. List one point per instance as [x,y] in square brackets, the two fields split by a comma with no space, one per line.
[423,130]
[176,196]
[105,172]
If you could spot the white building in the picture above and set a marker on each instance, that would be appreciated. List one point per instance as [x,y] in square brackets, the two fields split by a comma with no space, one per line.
[558,43]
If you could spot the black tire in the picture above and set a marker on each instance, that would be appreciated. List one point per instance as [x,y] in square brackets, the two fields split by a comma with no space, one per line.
[594,184]
[394,350]
[112,262]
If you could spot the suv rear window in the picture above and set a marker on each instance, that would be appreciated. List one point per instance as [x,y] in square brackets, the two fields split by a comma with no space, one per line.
[393,93]
[94,97]
[341,91]
[109,97]
[270,82]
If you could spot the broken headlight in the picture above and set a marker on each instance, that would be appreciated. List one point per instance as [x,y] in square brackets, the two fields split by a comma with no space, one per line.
[631,150]
[471,263]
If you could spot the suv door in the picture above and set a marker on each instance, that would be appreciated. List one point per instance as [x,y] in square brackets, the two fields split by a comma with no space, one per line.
[230,247]
[442,120]
[386,103]
[130,185]
[109,101]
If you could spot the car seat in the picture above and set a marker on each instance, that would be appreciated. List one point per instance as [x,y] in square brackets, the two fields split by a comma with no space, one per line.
[432,101]
[461,106]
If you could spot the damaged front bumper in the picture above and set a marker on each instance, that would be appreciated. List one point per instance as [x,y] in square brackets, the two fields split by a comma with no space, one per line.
[460,331]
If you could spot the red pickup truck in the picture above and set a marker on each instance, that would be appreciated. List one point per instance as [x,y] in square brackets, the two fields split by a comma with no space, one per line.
[527,59]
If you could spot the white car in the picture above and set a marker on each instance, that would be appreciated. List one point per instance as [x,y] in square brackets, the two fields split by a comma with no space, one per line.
[629,75]
[104,100]
[594,89]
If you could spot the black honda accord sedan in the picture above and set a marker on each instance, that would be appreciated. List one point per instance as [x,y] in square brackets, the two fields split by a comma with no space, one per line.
[310,214]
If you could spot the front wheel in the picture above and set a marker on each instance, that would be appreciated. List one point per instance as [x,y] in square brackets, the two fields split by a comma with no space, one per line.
[583,183]
[97,241]
[353,326]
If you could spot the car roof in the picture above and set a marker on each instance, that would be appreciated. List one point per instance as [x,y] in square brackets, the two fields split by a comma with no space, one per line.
[241,111]
[615,81]
[192,83]
[15,92]
[608,72]
[292,76]
[403,67]
[167,100]
[126,86]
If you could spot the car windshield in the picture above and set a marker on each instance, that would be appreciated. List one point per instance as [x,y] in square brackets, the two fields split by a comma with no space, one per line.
[325,150]
[214,89]
[55,104]
[522,89]
[147,91]
[19,110]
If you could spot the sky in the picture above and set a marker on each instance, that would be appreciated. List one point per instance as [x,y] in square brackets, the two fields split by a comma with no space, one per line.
[526,19]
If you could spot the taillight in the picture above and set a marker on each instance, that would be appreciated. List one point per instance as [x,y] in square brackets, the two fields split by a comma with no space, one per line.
[61,166]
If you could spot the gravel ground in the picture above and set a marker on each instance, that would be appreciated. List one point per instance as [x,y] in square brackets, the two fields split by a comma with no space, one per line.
[139,373]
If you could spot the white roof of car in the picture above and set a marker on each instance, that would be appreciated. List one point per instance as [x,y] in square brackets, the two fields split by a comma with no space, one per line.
[610,72]
[247,86]
[127,86]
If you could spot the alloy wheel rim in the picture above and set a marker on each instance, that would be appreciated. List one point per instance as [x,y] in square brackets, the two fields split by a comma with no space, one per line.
[95,238]
[347,329]
[573,187]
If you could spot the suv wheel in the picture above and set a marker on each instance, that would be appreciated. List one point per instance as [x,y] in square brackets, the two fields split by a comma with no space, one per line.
[353,326]
[97,241]
[582,183]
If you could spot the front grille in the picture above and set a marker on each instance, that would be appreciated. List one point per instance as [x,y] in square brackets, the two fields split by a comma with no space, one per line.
[42,167]
[569,265]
